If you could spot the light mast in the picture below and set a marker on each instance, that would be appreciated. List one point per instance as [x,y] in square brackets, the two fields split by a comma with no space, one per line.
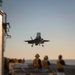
[4,27]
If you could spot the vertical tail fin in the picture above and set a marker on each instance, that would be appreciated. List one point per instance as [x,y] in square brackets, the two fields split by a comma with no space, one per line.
[1,1]
[38,35]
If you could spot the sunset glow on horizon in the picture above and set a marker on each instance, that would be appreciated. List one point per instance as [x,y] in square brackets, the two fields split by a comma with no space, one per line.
[55,20]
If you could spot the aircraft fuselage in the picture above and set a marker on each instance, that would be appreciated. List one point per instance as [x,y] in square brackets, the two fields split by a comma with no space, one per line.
[37,41]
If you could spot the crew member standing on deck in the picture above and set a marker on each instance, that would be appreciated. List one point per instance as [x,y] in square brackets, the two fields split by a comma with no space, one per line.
[37,62]
[45,63]
[60,64]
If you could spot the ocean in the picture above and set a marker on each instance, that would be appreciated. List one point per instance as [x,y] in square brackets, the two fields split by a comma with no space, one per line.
[68,62]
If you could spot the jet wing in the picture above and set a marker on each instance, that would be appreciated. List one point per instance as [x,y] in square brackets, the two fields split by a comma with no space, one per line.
[46,40]
[30,41]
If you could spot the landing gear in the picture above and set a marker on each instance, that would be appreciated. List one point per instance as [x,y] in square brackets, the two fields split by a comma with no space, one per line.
[42,45]
[32,45]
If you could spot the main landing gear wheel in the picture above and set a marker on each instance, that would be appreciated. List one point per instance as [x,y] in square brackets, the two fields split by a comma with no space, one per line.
[31,45]
[42,45]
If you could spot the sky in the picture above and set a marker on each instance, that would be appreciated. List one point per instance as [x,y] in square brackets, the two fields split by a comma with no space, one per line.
[54,19]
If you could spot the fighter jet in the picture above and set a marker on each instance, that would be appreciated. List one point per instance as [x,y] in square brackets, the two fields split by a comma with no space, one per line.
[37,41]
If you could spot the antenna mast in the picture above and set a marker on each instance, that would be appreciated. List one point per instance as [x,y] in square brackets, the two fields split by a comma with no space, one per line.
[4,29]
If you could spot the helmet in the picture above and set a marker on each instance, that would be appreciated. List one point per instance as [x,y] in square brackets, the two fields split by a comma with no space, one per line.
[60,56]
[37,55]
[46,57]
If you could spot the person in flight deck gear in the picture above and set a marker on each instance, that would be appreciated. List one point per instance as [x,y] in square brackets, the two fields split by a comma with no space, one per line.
[37,62]
[45,63]
[60,64]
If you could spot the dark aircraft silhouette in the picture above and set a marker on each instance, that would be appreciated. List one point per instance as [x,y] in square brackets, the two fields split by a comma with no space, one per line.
[37,41]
